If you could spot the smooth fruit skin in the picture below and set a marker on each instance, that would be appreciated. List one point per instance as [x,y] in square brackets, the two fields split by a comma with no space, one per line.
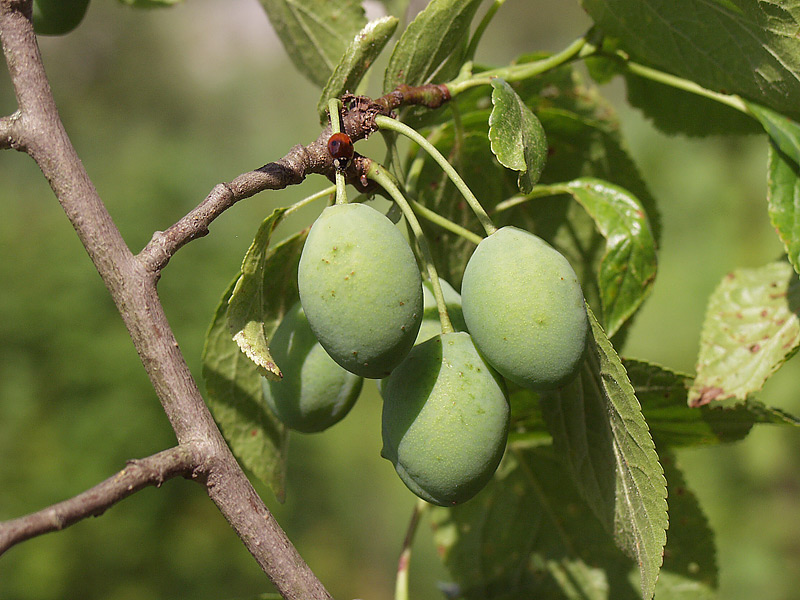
[57,17]
[315,392]
[361,289]
[445,419]
[431,325]
[524,307]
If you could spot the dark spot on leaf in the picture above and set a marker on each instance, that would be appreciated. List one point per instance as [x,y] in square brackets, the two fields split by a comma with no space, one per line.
[755,348]
[707,394]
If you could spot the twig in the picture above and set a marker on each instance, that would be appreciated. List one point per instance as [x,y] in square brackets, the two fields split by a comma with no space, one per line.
[404,563]
[179,461]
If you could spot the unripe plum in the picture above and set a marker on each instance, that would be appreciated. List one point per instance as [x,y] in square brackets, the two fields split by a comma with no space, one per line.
[315,392]
[361,289]
[524,307]
[57,17]
[445,419]
[431,325]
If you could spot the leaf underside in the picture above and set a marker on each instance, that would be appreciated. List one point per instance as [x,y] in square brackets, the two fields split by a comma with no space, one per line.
[516,135]
[234,396]
[751,328]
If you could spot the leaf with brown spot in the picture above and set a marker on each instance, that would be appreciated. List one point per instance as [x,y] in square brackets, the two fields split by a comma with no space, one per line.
[751,329]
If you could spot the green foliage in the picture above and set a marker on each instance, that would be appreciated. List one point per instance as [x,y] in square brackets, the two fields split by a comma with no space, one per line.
[593,470]
[611,426]
[361,289]
[676,111]
[445,419]
[516,135]
[739,47]
[315,33]
[524,306]
[356,60]
[234,395]
[314,393]
[255,295]
[57,17]
[432,47]
[751,329]
[627,270]
[598,427]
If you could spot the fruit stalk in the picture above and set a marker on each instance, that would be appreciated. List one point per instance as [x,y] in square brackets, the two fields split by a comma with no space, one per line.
[381,176]
[334,106]
[412,134]
[401,583]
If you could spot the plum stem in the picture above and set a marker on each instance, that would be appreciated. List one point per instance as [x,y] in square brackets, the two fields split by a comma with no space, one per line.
[401,583]
[334,106]
[395,125]
[386,180]
[309,199]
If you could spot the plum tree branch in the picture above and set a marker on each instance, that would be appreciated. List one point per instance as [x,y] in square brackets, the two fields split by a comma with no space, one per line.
[132,285]
[179,461]
[358,121]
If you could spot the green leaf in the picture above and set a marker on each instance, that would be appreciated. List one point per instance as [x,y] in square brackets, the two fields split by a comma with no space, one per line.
[516,135]
[357,59]
[528,534]
[783,132]
[583,138]
[598,427]
[690,557]
[676,111]
[736,47]
[627,269]
[751,328]
[432,46]
[315,33]
[254,312]
[783,197]
[233,386]
[663,395]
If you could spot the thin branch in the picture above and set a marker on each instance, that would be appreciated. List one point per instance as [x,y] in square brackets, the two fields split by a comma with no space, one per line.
[179,461]
[358,122]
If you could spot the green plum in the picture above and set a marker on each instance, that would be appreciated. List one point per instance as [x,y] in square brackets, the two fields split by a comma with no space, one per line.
[361,289]
[315,392]
[524,307]
[445,419]
[57,17]
[431,325]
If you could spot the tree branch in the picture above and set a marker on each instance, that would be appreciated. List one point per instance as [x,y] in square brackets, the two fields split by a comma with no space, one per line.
[7,136]
[132,285]
[179,461]
[358,121]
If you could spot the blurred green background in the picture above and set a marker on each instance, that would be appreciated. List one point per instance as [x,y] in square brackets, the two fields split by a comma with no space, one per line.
[161,106]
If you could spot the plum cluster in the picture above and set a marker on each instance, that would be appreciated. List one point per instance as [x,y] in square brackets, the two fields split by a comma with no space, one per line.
[365,313]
